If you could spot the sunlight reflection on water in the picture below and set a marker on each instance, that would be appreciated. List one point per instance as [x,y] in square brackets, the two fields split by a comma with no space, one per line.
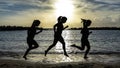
[55,58]
[66,36]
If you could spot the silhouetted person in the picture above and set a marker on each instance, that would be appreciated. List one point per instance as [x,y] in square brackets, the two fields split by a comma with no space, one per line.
[84,40]
[58,28]
[32,31]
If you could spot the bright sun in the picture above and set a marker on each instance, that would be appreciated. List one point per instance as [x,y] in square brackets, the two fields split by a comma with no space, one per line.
[64,8]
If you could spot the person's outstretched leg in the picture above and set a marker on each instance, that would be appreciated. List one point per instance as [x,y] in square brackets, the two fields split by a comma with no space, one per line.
[30,48]
[78,47]
[51,46]
[82,45]
[27,51]
[81,48]
[64,48]
[87,51]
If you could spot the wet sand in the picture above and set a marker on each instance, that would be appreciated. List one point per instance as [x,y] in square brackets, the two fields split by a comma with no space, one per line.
[60,61]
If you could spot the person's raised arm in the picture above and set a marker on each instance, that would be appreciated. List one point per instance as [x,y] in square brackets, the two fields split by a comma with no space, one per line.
[90,32]
[39,31]
[65,27]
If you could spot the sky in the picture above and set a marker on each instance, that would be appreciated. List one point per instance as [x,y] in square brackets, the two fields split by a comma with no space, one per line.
[102,13]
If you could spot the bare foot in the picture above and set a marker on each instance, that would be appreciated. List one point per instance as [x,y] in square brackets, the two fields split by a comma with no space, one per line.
[25,57]
[45,52]
[66,55]
[85,57]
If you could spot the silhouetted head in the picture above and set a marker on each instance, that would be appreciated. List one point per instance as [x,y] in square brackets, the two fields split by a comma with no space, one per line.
[59,18]
[36,23]
[64,19]
[86,22]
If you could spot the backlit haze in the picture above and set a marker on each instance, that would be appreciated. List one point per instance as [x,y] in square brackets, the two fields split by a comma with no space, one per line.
[103,13]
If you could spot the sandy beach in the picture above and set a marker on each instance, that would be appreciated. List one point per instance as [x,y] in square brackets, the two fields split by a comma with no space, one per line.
[60,61]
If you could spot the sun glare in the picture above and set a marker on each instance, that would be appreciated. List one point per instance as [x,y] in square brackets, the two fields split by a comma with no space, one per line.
[64,8]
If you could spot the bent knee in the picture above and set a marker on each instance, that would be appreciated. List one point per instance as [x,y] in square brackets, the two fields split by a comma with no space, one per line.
[88,47]
[82,48]
[36,46]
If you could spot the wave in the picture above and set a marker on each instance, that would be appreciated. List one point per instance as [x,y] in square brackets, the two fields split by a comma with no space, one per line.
[14,53]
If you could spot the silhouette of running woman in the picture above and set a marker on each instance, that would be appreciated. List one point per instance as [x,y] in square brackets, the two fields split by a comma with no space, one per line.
[58,28]
[32,31]
[84,40]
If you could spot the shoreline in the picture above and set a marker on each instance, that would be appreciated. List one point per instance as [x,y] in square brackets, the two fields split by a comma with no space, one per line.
[60,61]
[28,64]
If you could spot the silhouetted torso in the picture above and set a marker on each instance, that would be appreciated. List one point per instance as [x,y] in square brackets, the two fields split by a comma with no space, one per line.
[31,33]
[85,33]
[59,29]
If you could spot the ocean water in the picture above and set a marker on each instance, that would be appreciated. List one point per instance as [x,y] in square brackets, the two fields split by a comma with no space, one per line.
[101,41]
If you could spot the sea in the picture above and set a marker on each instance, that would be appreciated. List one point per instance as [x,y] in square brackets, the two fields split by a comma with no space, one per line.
[101,41]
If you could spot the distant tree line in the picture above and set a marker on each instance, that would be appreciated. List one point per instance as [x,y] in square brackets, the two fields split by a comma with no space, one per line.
[99,28]
[8,28]
[11,28]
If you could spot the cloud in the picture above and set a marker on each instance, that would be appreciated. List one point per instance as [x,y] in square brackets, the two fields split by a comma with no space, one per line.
[101,12]
[17,12]
[98,5]
[109,21]
[23,5]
